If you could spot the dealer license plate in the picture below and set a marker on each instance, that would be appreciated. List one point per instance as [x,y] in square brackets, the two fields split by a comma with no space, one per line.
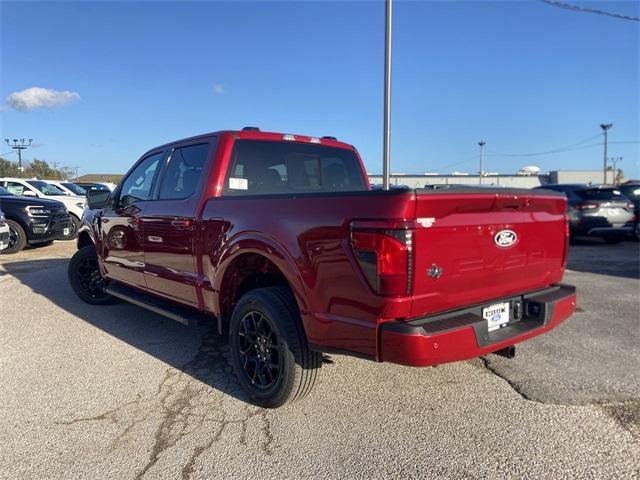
[496,315]
[65,232]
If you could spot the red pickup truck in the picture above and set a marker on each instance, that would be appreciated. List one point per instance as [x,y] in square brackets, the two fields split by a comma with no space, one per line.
[280,240]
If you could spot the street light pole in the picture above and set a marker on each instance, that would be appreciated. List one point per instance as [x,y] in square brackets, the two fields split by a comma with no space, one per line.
[386,137]
[19,146]
[482,143]
[605,127]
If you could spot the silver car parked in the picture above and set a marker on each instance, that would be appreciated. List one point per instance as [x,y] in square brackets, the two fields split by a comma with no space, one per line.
[600,211]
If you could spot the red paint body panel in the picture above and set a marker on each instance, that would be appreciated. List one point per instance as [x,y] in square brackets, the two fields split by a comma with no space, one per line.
[307,237]
[461,243]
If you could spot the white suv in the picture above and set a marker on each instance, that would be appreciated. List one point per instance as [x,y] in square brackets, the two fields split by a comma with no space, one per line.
[41,189]
[69,188]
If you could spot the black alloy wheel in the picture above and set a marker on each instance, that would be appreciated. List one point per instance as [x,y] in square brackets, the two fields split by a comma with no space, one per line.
[269,350]
[85,278]
[258,349]
[17,238]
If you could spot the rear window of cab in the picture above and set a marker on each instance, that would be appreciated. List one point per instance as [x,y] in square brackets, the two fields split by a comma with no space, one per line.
[261,167]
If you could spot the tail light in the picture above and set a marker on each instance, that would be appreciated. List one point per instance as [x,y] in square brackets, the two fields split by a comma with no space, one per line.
[385,256]
[585,206]
[631,206]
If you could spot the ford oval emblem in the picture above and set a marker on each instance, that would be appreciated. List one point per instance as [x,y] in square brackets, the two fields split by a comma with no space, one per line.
[505,238]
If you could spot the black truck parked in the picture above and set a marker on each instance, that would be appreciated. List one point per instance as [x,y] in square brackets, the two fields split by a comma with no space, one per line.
[32,220]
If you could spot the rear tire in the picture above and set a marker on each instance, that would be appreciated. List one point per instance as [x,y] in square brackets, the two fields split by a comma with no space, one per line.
[269,351]
[85,279]
[17,238]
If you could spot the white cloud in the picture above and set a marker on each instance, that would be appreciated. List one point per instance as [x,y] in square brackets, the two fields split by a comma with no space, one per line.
[218,88]
[38,97]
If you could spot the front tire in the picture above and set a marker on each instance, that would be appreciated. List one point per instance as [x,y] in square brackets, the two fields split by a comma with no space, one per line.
[17,238]
[74,226]
[269,351]
[85,279]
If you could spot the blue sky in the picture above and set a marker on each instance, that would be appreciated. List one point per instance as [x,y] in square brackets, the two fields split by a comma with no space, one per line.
[522,75]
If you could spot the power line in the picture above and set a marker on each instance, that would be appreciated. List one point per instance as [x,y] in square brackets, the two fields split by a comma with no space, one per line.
[550,152]
[455,164]
[555,150]
[578,8]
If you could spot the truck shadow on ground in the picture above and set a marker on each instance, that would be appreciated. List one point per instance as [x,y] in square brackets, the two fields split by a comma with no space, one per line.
[196,351]
[595,256]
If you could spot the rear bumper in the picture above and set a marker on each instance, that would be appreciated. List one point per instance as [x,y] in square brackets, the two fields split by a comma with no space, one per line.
[609,231]
[463,334]
[600,226]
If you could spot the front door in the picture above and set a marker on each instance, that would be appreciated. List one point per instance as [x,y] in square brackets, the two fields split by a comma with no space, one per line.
[170,226]
[122,229]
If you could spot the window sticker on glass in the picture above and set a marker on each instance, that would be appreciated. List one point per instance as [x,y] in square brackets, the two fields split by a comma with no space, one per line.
[238,183]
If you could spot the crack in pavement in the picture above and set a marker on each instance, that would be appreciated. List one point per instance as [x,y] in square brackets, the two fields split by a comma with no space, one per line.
[108,415]
[487,365]
[193,401]
[625,412]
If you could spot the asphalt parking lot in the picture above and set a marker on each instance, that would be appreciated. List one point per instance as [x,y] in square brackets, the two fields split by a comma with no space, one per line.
[119,392]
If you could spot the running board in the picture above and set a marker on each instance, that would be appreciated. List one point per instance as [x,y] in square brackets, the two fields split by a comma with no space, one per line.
[185,315]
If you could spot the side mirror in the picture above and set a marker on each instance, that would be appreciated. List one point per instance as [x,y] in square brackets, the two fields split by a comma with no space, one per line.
[97,199]
[28,193]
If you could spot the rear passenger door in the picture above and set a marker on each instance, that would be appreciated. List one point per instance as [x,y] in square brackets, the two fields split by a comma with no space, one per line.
[171,227]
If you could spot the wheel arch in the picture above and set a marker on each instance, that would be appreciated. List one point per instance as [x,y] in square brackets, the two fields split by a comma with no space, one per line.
[19,220]
[84,239]
[255,264]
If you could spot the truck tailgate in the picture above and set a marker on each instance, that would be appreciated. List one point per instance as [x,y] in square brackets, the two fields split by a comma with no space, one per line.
[476,245]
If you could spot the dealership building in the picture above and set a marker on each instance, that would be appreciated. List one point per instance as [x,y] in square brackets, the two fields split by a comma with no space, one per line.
[522,179]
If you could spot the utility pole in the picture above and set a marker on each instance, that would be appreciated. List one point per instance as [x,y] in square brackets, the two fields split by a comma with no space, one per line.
[386,136]
[482,143]
[76,169]
[19,146]
[615,160]
[605,127]
[55,169]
